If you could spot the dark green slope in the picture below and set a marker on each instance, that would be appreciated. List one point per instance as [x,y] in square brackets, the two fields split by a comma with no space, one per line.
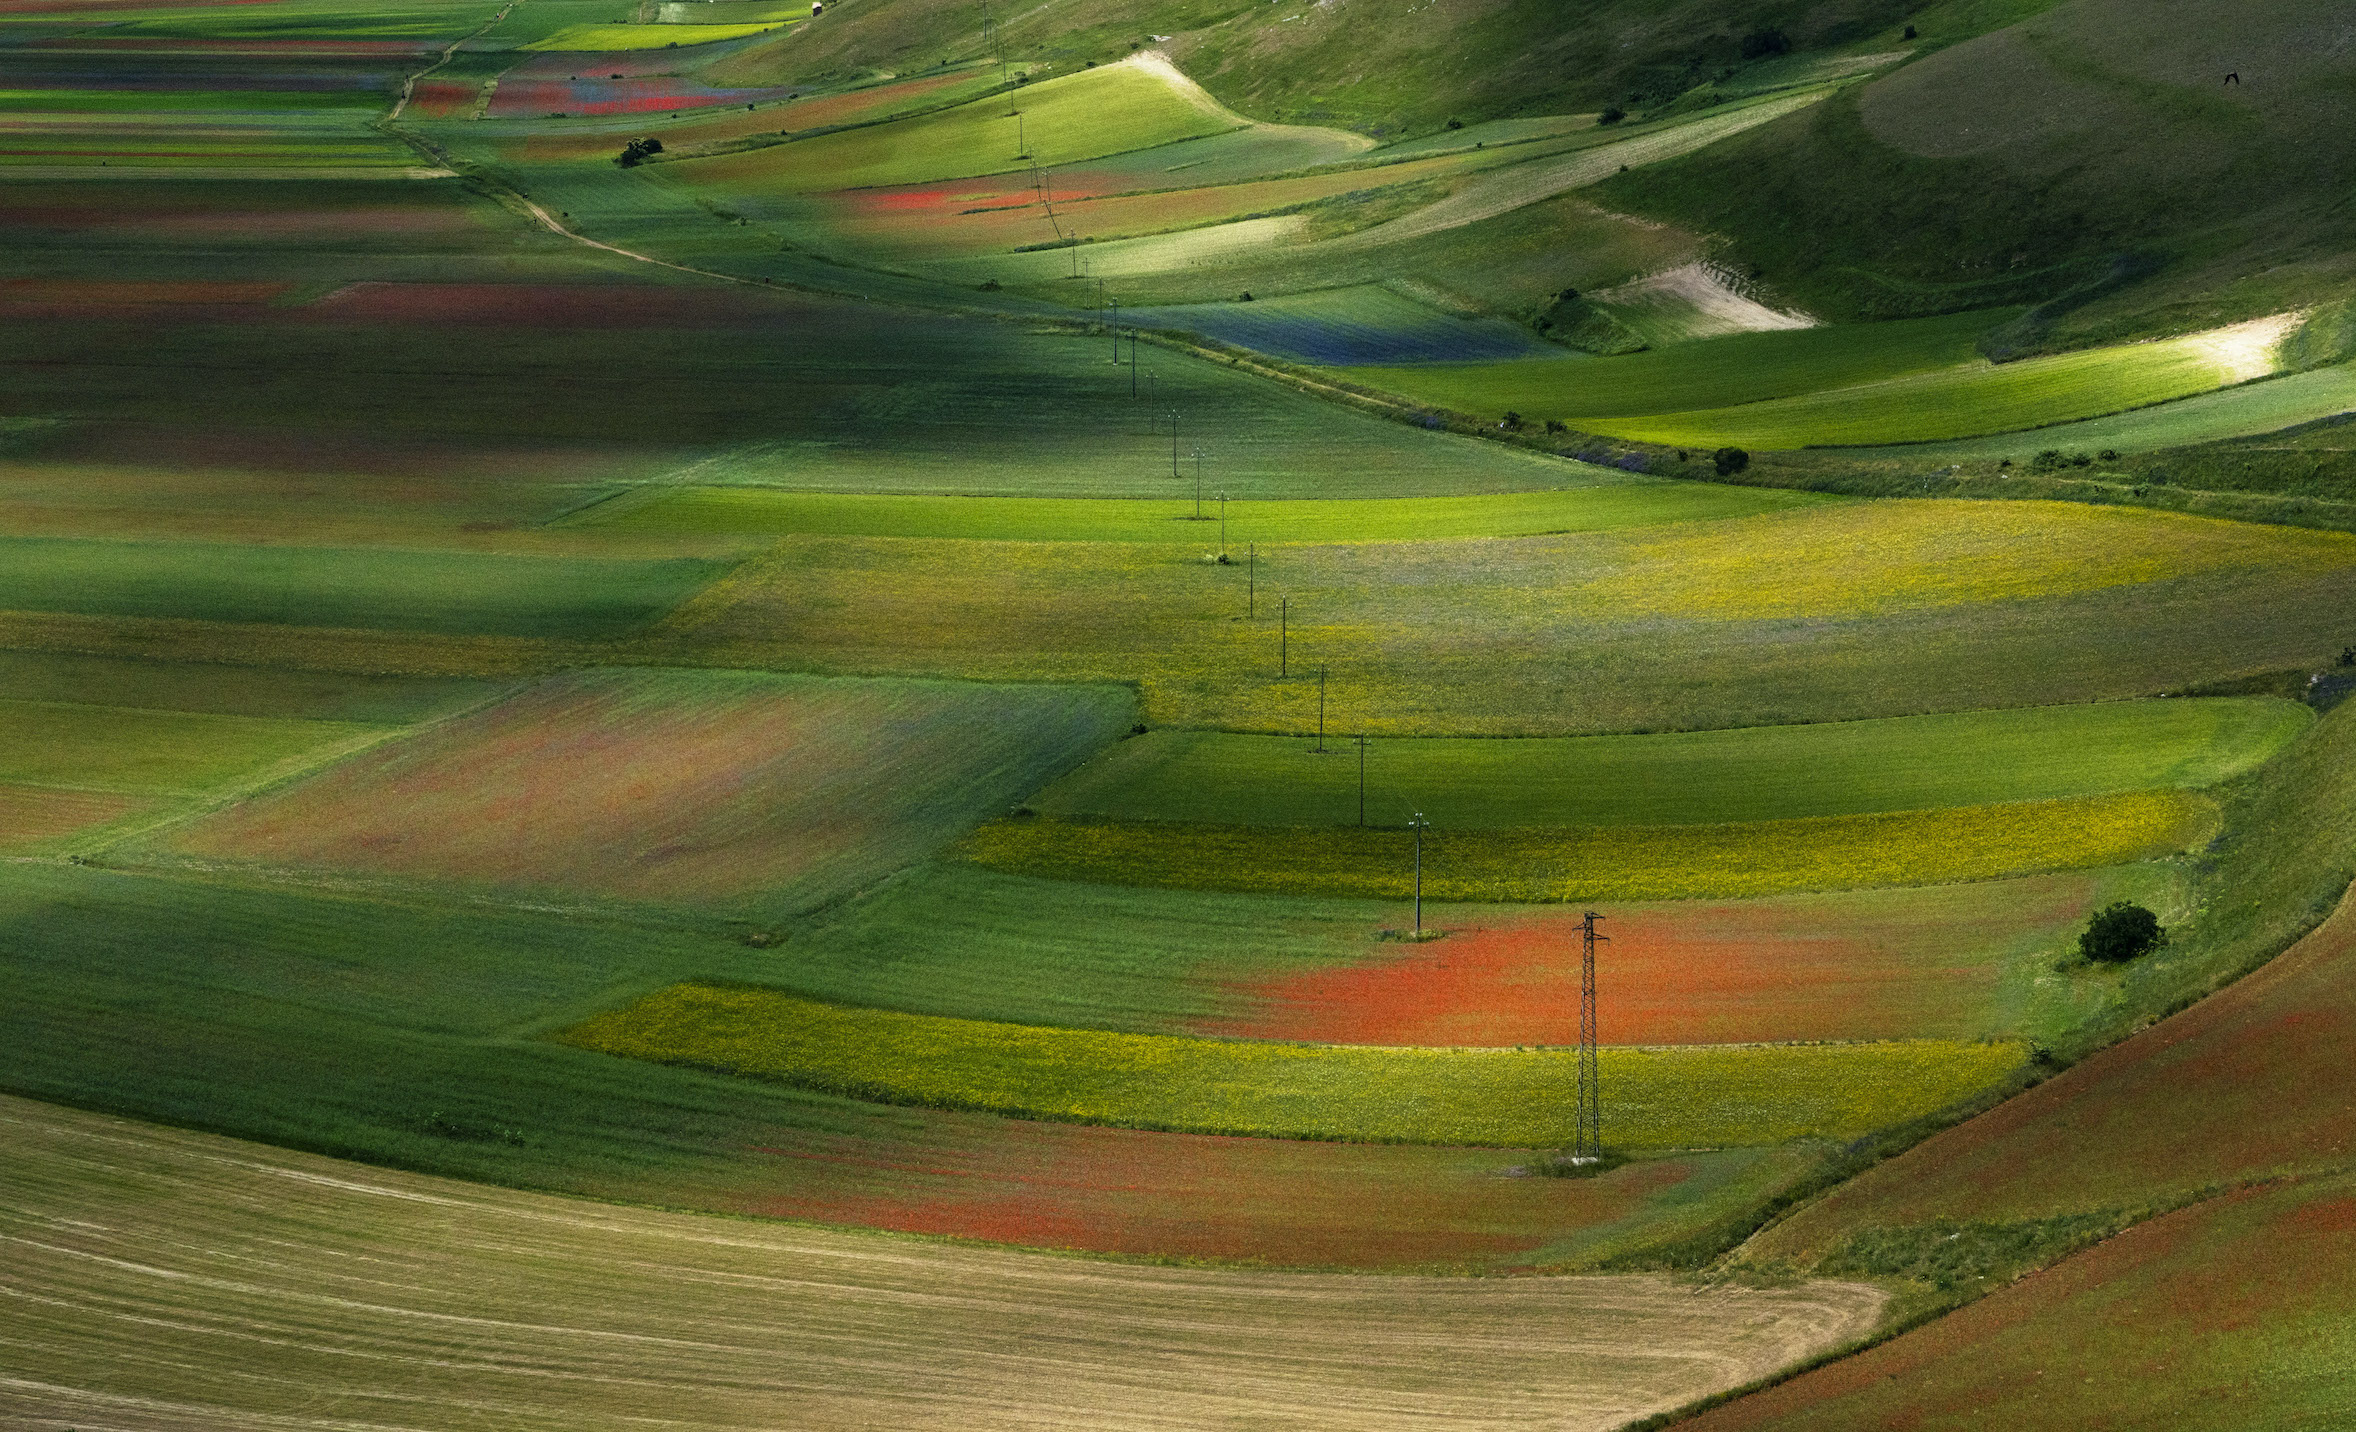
[1387,67]
[2092,159]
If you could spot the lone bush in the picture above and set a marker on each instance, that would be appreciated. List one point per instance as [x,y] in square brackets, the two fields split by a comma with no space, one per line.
[1612,114]
[1730,460]
[2119,933]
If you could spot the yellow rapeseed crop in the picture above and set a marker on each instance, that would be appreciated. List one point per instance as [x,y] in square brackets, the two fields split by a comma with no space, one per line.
[1648,862]
[1890,556]
[1689,1096]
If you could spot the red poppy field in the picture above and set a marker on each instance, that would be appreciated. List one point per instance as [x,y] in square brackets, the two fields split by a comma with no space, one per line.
[1871,965]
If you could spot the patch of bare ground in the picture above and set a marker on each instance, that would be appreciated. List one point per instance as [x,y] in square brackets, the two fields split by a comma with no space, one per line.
[156,1278]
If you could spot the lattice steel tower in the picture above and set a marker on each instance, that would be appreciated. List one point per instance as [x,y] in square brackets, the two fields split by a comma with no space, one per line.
[1587,1141]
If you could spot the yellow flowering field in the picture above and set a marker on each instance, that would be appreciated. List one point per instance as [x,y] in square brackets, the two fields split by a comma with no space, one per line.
[1641,862]
[1675,1097]
[1832,612]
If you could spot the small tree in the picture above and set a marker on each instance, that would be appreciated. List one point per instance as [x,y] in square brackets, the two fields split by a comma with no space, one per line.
[1730,460]
[1612,114]
[2120,932]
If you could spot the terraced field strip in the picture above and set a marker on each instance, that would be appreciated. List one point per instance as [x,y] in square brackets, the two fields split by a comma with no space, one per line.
[1109,110]
[1980,397]
[1936,962]
[452,593]
[2244,411]
[1709,373]
[1362,324]
[179,1279]
[1922,962]
[1683,1096]
[1505,190]
[610,39]
[1756,773]
[769,512]
[1631,862]
[722,786]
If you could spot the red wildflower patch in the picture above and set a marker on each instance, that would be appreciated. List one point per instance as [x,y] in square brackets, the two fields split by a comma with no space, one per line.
[67,293]
[1768,970]
[549,305]
[1186,1195]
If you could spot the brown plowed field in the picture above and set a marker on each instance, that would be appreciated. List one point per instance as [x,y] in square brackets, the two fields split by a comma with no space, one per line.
[162,1279]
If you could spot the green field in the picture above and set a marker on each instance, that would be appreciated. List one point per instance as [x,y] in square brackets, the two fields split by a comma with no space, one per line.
[103,748]
[1704,777]
[607,39]
[2244,411]
[1975,398]
[1662,1098]
[447,592]
[1077,117]
[760,793]
[1610,502]
[1711,373]
[1630,862]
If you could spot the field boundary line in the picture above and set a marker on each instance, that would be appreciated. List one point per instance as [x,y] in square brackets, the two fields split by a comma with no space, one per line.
[449,52]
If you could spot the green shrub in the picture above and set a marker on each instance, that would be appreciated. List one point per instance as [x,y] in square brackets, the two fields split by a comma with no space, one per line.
[2119,933]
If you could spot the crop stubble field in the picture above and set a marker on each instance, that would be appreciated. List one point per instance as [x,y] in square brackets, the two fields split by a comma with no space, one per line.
[266,1266]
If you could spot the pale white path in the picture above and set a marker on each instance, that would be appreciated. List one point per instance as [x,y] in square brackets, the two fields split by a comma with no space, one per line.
[1694,300]
[158,1279]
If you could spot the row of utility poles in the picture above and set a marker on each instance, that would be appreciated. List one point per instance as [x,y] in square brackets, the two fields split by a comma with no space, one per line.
[1587,1138]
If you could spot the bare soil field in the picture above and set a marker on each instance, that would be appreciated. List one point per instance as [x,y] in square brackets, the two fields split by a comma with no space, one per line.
[167,1279]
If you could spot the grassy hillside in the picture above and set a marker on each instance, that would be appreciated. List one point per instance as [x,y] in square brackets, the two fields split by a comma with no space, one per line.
[1369,66]
[2091,159]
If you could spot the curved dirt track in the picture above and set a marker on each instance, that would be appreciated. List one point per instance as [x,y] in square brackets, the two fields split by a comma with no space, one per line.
[152,1278]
